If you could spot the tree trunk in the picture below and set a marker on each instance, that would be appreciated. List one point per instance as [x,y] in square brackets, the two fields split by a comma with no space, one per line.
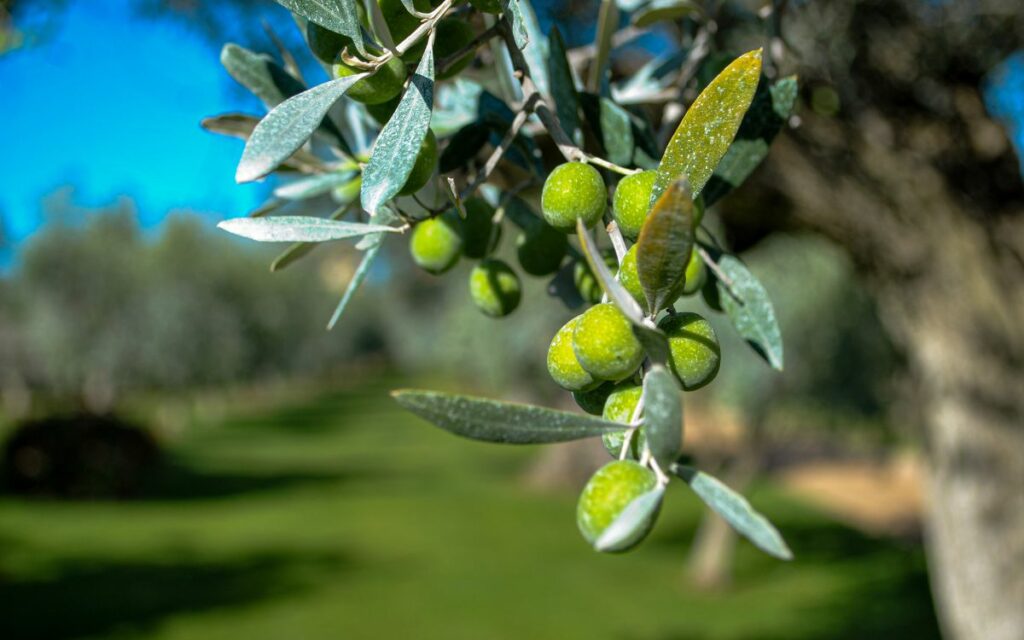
[949,283]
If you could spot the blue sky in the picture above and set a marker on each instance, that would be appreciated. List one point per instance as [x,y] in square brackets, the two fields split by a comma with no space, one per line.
[109,103]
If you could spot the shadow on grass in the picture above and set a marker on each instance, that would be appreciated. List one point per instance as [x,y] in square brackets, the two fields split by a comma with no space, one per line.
[178,481]
[86,597]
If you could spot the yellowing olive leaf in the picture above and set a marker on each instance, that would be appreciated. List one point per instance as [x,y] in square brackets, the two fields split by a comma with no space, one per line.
[664,245]
[709,126]
[288,126]
[394,153]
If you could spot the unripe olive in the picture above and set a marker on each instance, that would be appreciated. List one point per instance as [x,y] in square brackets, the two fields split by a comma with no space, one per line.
[324,43]
[607,494]
[452,35]
[382,112]
[631,202]
[541,248]
[585,280]
[694,353]
[495,288]
[604,343]
[479,234]
[574,190]
[563,366]
[619,407]
[437,242]
[401,24]
[696,274]
[423,167]
[487,6]
[630,280]
[593,401]
[383,85]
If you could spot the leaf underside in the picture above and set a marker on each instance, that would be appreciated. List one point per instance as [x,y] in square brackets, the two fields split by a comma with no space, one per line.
[663,415]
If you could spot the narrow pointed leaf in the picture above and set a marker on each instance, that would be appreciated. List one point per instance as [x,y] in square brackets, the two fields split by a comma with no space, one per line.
[607,25]
[734,509]
[340,16]
[709,126]
[258,73]
[288,126]
[380,25]
[632,523]
[660,10]
[563,86]
[663,415]
[300,249]
[536,53]
[520,34]
[746,302]
[299,229]
[312,186]
[768,113]
[377,241]
[394,152]
[504,422]
[239,125]
[665,244]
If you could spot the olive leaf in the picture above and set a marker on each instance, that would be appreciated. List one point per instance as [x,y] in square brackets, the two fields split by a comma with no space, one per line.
[769,111]
[288,126]
[395,150]
[612,125]
[734,509]
[607,25]
[632,522]
[258,73]
[299,229]
[746,302]
[504,422]
[463,146]
[709,126]
[340,16]
[376,241]
[302,249]
[536,53]
[661,10]
[520,34]
[313,186]
[664,245]
[563,86]
[240,125]
[663,415]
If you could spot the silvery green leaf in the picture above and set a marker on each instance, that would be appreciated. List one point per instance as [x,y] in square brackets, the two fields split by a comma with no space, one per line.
[504,422]
[236,125]
[375,241]
[455,106]
[607,25]
[312,186]
[768,113]
[288,126]
[734,509]
[258,73]
[340,16]
[394,153]
[631,5]
[563,86]
[617,132]
[520,34]
[298,229]
[663,415]
[536,52]
[660,10]
[632,523]
[709,126]
[380,25]
[746,302]
[301,249]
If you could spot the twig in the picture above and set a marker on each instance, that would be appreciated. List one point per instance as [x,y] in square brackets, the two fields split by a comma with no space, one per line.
[503,146]
[715,269]
[486,35]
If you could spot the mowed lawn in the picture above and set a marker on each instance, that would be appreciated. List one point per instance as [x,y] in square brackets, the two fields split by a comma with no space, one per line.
[345,518]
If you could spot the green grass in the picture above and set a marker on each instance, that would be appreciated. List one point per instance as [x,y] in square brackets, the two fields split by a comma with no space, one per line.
[345,518]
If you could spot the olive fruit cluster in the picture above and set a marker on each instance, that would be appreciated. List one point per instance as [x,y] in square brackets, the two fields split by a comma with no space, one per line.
[437,243]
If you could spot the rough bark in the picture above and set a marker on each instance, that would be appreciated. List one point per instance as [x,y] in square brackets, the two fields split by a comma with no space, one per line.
[947,272]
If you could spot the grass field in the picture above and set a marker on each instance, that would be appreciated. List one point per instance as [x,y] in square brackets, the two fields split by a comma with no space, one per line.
[345,518]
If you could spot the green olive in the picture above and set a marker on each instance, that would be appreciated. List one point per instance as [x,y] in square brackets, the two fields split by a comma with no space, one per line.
[480,234]
[631,202]
[541,248]
[563,366]
[694,353]
[604,343]
[436,243]
[423,168]
[607,494]
[382,86]
[494,288]
[573,191]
